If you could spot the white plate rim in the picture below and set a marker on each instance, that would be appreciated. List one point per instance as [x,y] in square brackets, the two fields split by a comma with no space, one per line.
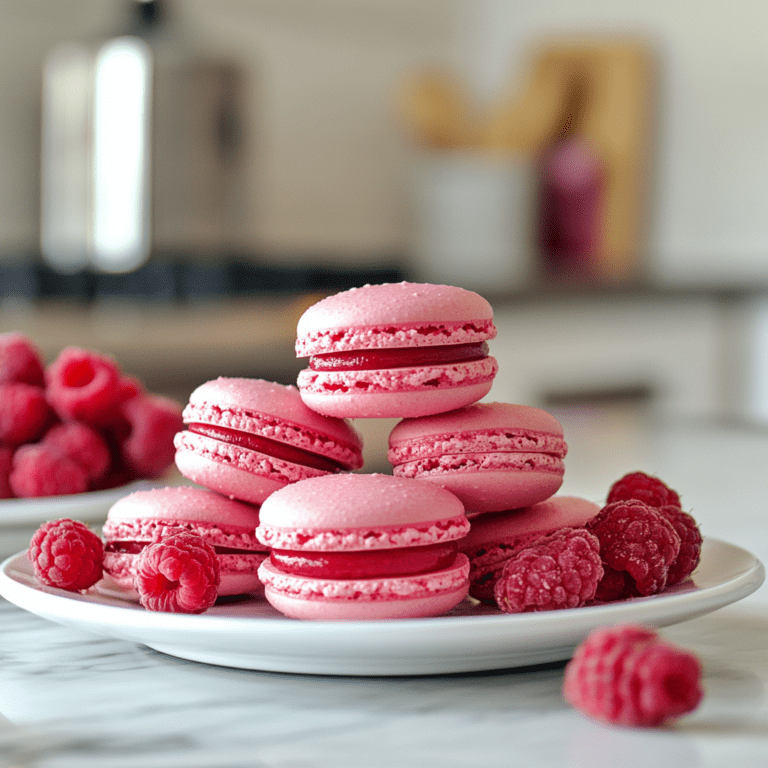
[479,640]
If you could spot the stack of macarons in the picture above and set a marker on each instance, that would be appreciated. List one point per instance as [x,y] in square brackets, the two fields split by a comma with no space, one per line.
[336,543]
[417,352]
[245,438]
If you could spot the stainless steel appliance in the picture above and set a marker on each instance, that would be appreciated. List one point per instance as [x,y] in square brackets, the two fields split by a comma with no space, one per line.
[141,147]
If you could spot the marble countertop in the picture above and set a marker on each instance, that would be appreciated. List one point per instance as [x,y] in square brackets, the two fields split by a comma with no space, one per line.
[68,698]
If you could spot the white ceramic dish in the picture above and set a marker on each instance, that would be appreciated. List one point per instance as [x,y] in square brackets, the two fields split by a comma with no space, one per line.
[89,507]
[250,634]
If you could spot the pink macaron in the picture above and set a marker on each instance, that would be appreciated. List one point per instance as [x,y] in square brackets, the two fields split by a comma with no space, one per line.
[246,438]
[228,526]
[359,546]
[493,456]
[495,537]
[396,350]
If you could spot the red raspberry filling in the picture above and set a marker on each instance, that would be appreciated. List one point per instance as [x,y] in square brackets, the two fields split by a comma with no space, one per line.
[24,413]
[40,470]
[643,487]
[381,563]
[628,676]
[378,359]
[20,360]
[83,386]
[66,554]
[638,540]
[560,570]
[265,445]
[178,574]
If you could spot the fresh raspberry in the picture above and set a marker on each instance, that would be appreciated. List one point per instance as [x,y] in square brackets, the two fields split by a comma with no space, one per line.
[615,585]
[178,574]
[148,449]
[6,463]
[130,386]
[41,470]
[560,570]
[66,554]
[627,675]
[83,386]
[24,413]
[83,444]
[637,539]
[690,543]
[638,485]
[20,360]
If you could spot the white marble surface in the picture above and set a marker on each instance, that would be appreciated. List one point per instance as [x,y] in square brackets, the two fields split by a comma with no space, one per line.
[69,699]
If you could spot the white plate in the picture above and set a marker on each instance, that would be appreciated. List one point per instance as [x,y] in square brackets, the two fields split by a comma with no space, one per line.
[89,507]
[251,635]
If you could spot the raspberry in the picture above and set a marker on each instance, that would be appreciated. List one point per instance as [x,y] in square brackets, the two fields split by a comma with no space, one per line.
[66,554]
[40,470]
[627,675]
[178,574]
[24,413]
[637,539]
[83,386]
[130,386]
[638,485]
[83,445]
[6,462]
[690,543]
[20,360]
[615,585]
[148,449]
[560,570]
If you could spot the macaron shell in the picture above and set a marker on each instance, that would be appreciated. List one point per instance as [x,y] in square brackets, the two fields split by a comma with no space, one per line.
[544,517]
[408,379]
[493,456]
[422,595]
[480,427]
[493,418]
[354,512]
[275,412]
[232,522]
[492,490]
[234,471]
[359,404]
[394,315]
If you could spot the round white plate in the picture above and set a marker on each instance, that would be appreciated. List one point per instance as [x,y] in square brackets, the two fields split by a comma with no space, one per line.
[89,507]
[251,635]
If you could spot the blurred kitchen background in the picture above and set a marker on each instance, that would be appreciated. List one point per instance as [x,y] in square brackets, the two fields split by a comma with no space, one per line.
[179,180]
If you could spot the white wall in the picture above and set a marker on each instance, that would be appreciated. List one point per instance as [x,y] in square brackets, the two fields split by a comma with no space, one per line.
[711,208]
